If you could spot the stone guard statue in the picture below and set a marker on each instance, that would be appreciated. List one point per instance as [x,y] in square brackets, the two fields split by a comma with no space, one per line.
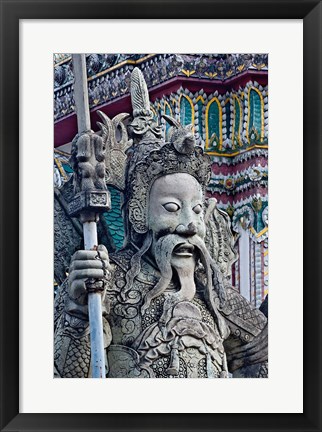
[168,308]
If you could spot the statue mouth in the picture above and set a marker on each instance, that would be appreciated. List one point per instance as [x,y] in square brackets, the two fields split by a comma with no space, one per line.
[184,250]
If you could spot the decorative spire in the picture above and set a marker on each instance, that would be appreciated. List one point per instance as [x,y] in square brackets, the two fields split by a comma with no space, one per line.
[139,95]
[143,126]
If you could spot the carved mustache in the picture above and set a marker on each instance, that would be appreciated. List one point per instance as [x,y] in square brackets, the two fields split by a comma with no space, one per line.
[214,280]
[214,275]
[189,230]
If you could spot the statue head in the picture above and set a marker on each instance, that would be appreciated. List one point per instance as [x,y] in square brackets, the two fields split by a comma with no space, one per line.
[155,166]
[176,206]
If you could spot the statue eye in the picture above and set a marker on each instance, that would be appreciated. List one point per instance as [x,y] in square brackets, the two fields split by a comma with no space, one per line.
[171,207]
[197,209]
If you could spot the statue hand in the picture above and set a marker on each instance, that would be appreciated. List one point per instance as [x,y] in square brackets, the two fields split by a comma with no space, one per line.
[87,266]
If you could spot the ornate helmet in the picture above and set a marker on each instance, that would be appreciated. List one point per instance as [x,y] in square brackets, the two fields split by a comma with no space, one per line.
[150,157]
[146,156]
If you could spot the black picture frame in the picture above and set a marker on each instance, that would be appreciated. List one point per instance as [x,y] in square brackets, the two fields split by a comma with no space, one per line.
[11,12]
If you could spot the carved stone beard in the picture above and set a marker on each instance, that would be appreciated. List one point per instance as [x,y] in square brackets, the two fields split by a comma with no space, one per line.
[185,267]
[163,255]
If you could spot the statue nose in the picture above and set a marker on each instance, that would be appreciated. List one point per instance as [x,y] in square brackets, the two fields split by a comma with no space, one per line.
[186,230]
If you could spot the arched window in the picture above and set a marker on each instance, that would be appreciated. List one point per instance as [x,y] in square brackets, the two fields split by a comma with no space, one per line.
[200,103]
[255,128]
[213,125]
[228,117]
[186,111]
[237,122]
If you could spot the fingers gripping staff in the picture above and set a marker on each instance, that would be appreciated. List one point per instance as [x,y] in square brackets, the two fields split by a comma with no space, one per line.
[91,197]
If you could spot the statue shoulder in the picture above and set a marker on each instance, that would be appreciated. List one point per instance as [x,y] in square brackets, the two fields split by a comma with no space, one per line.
[244,319]
[247,345]
[67,232]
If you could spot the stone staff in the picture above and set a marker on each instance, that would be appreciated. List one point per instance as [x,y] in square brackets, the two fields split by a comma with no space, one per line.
[91,198]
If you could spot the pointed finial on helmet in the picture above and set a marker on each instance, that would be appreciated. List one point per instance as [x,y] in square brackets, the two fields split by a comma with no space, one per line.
[143,127]
[139,94]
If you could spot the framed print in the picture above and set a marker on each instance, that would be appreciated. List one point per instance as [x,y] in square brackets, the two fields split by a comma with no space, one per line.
[290,397]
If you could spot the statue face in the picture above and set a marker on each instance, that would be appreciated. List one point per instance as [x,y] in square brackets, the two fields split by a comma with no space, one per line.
[176,207]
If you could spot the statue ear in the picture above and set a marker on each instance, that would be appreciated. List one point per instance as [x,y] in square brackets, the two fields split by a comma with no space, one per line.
[220,240]
[137,216]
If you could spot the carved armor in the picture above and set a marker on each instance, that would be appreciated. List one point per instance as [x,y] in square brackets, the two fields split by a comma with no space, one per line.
[192,346]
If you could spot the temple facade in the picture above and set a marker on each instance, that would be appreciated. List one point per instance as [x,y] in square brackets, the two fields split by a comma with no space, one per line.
[225,98]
